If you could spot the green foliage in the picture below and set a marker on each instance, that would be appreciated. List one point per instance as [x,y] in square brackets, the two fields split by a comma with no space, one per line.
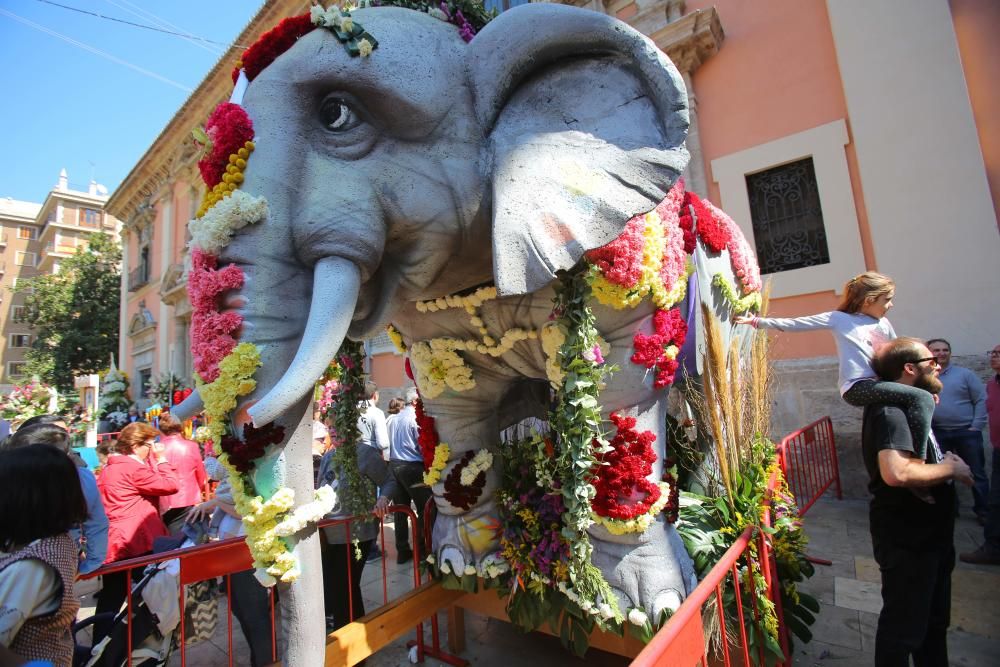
[74,313]
[357,493]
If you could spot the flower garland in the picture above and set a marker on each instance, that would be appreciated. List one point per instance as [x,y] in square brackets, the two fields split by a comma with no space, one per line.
[469,16]
[357,493]
[738,304]
[243,452]
[235,379]
[660,349]
[457,491]
[272,44]
[437,368]
[213,333]
[641,523]
[396,338]
[552,338]
[347,31]
[623,491]
[573,420]
[212,231]
[28,400]
[427,437]
[719,232]
[308,513]
[227,130]
[649,258]
[433,472]
[478,465]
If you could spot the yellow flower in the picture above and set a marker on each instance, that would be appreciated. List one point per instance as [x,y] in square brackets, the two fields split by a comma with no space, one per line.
[441,454]
[364,48]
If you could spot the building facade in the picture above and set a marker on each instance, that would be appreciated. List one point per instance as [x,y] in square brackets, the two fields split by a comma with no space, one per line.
[842,136]
[34,239]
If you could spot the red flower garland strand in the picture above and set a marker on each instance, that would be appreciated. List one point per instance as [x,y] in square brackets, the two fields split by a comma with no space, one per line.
[669,328]
[213,334]
[272,44]
[712,232]
[620,261]
[229,128]
[427,436]
[623,490]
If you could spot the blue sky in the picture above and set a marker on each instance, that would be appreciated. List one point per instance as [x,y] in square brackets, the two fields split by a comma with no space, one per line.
[62,105]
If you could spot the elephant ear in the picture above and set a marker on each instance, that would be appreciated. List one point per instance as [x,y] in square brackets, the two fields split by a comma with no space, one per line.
[585,121]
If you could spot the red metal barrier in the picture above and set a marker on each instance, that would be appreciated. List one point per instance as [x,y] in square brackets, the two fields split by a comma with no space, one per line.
[681,642]
[808,458]
[227,557]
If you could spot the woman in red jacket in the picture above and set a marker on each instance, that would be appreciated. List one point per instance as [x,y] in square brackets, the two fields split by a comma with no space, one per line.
[136,475]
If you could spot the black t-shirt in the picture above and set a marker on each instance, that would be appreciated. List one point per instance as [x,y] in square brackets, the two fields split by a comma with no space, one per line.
[898,513]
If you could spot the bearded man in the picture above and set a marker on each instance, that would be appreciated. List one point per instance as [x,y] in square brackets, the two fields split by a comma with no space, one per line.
[911,517]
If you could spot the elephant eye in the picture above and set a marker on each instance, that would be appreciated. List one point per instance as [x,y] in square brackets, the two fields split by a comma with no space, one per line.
[336,115]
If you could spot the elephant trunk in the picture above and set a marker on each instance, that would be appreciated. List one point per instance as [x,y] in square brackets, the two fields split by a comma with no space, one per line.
[336,283]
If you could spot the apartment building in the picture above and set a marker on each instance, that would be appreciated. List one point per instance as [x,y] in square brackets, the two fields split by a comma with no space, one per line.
[34,240]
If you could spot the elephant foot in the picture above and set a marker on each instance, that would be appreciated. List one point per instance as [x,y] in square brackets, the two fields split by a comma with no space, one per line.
[467,544]
[625,561]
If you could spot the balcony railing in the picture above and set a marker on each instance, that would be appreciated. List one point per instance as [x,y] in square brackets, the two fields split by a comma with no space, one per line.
[138,277]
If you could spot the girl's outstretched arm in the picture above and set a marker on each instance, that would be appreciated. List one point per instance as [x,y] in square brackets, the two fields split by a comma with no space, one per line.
[805,323]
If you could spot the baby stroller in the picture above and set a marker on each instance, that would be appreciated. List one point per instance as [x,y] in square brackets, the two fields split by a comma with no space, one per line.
[156,616]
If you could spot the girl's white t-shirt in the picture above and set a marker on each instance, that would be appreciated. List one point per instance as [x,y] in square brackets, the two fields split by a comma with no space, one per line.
[858,338]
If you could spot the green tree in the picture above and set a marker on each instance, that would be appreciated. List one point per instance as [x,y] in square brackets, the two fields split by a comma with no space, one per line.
[74,313]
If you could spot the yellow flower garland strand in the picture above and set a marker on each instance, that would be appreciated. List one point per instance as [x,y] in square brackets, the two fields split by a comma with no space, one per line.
[230,180]
[738,304]
[441,454]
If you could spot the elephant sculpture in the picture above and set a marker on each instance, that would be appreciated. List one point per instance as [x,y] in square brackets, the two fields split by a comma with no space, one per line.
[441,176]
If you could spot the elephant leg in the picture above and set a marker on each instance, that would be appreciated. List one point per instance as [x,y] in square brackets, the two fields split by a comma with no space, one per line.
[625,560]
[465,530]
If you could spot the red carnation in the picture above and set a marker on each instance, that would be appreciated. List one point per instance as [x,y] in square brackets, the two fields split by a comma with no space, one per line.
[712,233]
[620,261]
[243,453]
[427,436]
[669,328]
[272,44]
[623,490]
[228,128]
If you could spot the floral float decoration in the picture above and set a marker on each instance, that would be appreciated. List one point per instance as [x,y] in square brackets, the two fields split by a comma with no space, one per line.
[28,400]
[114,402]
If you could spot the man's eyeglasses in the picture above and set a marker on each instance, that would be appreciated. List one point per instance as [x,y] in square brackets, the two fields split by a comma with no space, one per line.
[933,361]
[993,353]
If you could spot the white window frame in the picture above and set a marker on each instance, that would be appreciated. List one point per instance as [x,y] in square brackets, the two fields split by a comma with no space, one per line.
[32,233]
[13,311]
[12,343]
[10,369]
[24,253]
[825,145]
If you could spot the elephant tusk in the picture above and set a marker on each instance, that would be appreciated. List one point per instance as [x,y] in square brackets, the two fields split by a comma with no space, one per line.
[336,282]
[189,407]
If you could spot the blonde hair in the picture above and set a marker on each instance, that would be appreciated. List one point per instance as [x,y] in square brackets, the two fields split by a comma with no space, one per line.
[863,288]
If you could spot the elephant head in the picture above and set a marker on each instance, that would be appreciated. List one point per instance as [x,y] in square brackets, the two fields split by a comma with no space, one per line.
[390,178]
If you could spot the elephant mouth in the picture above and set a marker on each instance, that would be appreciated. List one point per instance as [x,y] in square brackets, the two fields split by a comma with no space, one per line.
[374,303]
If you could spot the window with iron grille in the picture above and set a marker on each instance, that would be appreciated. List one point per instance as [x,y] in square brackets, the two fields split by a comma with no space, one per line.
[787,218]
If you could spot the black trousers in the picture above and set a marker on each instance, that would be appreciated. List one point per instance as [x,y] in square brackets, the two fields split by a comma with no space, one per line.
[409,484]
[252,610]
[335,589]
[916,603]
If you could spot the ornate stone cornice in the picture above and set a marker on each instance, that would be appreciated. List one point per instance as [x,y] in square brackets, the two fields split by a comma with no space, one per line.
[159,164]
[173,284]
[690,40]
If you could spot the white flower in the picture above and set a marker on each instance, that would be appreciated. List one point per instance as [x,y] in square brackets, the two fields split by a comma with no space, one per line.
[446,568]
[605,610]
[586,605]
[437,13]
[637,617]
[347,24]
[364,48]
[316,14]
[470,569]
[213,231]
[430,559]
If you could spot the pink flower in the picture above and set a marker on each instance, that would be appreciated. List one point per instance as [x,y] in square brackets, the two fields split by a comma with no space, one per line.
[212,333]
[620,261]
[594,355]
